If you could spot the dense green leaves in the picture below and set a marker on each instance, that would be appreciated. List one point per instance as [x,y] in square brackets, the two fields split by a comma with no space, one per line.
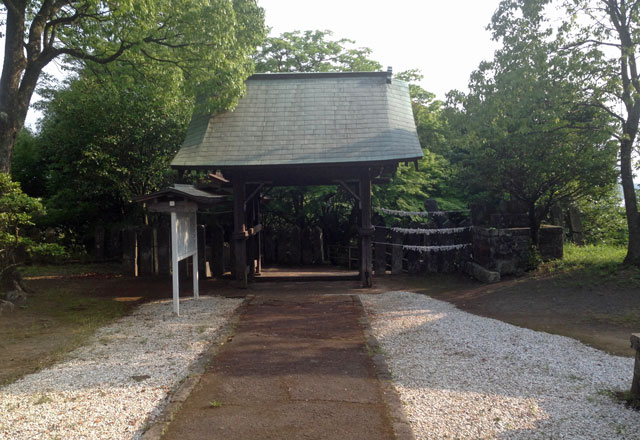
[524,127]
[204,45]
[312,51]
[102,144]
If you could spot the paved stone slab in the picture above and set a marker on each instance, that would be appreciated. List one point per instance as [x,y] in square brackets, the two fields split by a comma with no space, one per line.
[296,368]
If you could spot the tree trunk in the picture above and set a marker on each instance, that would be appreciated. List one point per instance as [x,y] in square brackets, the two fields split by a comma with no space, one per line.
[630,203]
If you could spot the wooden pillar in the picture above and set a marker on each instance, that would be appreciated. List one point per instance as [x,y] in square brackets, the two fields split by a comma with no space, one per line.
[396,253]
[240,231]
[251,241]
[635,384]
[145,251]
[258,240]
[217,242]
[366,230]
[130,252]
[202,255]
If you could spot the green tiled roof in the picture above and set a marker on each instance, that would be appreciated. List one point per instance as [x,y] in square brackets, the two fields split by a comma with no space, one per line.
[290,119]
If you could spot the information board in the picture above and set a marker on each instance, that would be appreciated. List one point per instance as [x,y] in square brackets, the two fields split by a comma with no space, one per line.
[187,238]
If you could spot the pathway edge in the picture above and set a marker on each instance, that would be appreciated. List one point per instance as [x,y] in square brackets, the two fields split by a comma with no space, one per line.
[180,394]
[399,421]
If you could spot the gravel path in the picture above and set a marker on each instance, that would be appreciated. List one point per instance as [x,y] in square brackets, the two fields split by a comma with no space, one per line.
[109,388]
[468,377]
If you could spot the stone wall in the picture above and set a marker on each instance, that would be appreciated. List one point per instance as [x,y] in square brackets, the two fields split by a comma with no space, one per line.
[508,250]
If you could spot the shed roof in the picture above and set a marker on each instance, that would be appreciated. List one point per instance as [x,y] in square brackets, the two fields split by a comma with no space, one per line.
[185,191]
[307,118]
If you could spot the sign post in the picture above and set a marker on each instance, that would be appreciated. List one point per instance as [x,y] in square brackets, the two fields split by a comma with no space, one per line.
[184,244]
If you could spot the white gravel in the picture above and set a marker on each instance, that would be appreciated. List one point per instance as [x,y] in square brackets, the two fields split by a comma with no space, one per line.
[462,376]
[110,388]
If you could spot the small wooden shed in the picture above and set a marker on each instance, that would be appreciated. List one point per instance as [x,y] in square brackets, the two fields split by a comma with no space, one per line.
[350,129]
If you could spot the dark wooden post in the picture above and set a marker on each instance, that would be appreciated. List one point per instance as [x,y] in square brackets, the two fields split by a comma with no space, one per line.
[256,211]
[145,251]
[164,249]
[635,385]
[397,252]
[202,256]
[217,242]
[130,252]
[251,240]
[240,231]
[366,230]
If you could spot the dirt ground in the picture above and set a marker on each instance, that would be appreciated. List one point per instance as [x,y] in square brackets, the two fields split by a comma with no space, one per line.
[297,367]
[602,315]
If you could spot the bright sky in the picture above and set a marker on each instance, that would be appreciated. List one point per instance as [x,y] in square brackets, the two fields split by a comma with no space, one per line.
[446,40]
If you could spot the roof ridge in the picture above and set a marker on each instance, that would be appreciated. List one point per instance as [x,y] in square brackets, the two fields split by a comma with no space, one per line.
[308,75]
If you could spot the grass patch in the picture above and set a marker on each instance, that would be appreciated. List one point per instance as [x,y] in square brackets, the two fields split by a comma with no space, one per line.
[57,318]
[215,404]
[594,265]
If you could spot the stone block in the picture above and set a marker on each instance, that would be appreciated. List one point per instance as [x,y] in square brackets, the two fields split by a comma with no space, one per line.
[481,274]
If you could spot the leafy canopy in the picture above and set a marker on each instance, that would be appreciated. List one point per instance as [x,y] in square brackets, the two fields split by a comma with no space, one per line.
[104,142]
[523,126]
[312,51]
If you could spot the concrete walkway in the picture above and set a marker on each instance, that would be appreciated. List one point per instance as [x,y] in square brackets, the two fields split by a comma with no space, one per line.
[296,368]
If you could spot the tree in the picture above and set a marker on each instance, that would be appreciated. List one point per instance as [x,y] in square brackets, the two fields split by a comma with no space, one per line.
[206,43]
[410,187]
[527,134]
[103,141]
[604,35]
[312,51]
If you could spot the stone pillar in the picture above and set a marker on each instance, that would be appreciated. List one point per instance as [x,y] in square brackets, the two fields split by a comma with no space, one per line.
[217,245]
[396,253]
[381,251]
[635,385]
[202,257]
[129,252]
[145,251]
[366,230]
[240,231]
[575,223]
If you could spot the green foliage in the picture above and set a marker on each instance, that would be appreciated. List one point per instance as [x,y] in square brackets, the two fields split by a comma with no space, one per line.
[604,219]
[104,142]
[312,51]
[17,212]
[27,167]
[409,188]
[523,129]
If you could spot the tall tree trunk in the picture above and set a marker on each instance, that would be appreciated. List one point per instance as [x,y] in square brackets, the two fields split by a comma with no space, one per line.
[13,66]
[630,203]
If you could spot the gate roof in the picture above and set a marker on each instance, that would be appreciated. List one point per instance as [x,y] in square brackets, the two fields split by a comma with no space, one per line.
[293,119]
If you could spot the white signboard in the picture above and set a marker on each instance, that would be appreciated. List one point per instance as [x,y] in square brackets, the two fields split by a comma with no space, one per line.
[184,244]
[187,241]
